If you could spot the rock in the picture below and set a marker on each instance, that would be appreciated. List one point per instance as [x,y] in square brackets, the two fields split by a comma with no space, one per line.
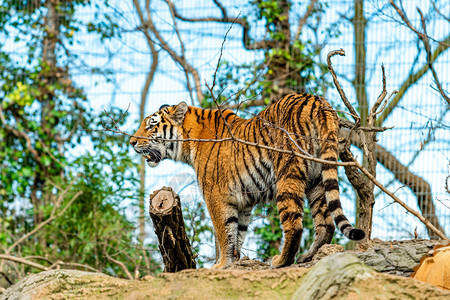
[327,250]
[331,274]
[396,257]
[44,284]
[344,276]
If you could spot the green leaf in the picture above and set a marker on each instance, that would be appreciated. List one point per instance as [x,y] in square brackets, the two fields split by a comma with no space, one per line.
[46,161]
[27,171]
[20,189]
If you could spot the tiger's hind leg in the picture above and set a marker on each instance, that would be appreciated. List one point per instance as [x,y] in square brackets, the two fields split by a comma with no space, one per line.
[323,223]
[289,198]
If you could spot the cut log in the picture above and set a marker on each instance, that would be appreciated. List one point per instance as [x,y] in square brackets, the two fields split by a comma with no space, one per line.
[167,217]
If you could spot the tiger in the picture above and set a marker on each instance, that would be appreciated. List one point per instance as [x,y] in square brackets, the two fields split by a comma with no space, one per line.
[242,162]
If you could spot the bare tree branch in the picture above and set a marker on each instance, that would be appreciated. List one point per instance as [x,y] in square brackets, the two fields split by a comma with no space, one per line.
[186,73]
[405,206]
[349,124]
[410,81]
[368,145]
[26,261]
[420,188]
[338,86]
[117,262]
[181,60]
[439,12]
[425,40]
[303,19]
[44,223]
[23,261]
[263,44]
[224,19]
[427,46]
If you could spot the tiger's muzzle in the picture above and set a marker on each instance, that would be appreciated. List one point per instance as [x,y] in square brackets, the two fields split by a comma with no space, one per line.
[152,155]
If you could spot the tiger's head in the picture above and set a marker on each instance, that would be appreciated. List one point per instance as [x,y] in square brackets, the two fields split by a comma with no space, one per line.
[156,138]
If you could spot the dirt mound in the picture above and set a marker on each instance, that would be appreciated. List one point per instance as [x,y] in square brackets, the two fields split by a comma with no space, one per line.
[391,257]
[335,276]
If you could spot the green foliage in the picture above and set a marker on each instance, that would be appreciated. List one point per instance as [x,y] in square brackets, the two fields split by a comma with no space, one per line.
[96,222]
[270,233]
[51,148]
[198,228]
[270,10]
[288,63]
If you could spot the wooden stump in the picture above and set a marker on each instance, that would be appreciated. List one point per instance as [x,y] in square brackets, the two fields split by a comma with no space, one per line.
[165,211]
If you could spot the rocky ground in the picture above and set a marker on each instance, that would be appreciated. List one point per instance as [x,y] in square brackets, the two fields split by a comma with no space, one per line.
[331,275]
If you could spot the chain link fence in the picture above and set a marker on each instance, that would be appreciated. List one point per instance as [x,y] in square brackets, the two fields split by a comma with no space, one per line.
[112,73]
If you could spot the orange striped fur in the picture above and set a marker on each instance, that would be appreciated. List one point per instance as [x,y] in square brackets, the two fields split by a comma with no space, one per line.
[234,177]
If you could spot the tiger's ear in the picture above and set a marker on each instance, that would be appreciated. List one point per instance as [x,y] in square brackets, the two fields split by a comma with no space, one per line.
[178,113]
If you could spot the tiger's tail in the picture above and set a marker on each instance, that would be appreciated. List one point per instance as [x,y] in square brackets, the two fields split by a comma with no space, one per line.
[329,151]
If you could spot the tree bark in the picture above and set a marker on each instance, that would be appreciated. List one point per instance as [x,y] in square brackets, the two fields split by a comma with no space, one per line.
[365,198]
[167,217]
[364,189]
[359,82]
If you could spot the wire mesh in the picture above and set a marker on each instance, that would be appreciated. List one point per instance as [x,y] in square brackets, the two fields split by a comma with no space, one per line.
[112,73]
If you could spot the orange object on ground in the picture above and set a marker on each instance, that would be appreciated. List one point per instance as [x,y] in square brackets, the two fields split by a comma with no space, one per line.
[434,267]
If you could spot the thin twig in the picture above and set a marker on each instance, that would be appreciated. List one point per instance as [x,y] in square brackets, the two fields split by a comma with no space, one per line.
[349,124]
[396,199]
[305,17]
[23,261]
[426,43]
[117,262]
[373,110]
[353,113]
[41,225]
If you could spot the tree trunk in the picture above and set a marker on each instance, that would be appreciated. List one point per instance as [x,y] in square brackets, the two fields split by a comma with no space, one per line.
[49,78]
[165,211]
[364,190]
[280,70]
[365,200]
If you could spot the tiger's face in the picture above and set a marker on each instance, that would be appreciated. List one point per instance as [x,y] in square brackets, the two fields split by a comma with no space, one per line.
[158,136]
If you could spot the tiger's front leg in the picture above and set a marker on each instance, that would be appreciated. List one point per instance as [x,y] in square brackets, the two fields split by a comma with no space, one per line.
[225,221]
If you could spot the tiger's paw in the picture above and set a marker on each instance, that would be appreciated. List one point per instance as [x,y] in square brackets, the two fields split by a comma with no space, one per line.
[277,262]
[219,266]
[307,257]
